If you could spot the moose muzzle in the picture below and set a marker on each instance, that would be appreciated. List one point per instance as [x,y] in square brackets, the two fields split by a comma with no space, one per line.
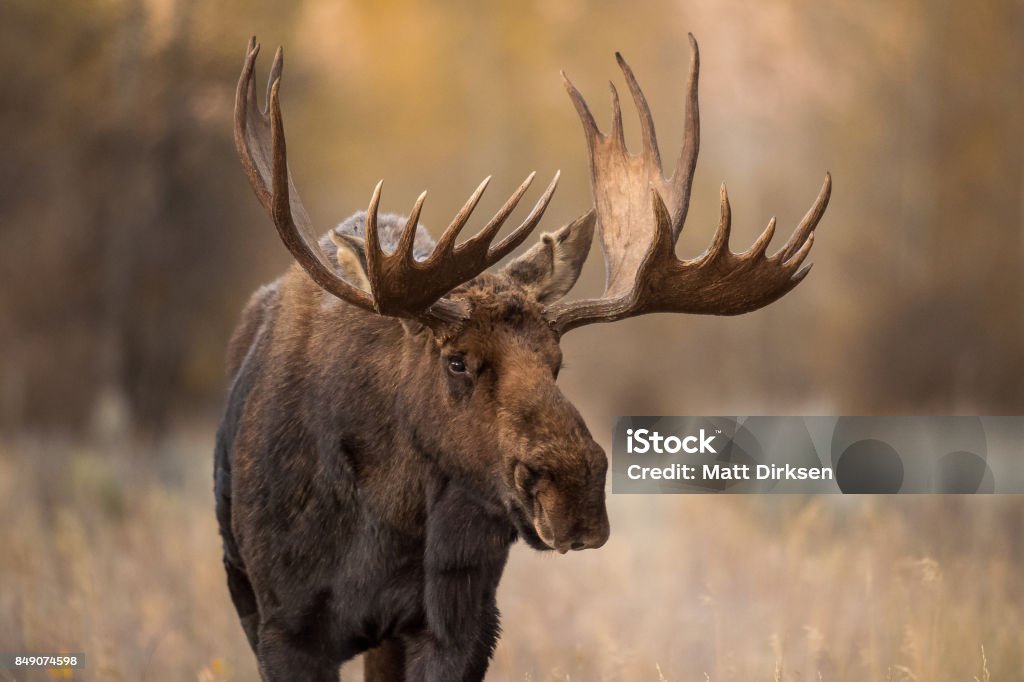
[571,515]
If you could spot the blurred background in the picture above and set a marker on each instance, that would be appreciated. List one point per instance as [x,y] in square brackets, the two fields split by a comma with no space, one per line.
[132,240]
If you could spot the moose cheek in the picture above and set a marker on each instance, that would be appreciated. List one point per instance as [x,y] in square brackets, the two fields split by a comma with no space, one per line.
[460,386]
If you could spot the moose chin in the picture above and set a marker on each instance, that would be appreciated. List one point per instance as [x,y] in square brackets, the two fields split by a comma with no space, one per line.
[394,422]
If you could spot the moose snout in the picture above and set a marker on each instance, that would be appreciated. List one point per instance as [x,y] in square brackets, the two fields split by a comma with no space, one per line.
[584,516]
[588,533]
[590,539]
[566,522]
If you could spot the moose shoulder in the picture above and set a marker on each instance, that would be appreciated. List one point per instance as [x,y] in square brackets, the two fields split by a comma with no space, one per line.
[393,423]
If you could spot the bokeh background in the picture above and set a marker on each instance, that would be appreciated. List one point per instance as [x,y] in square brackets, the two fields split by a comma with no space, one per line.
[131,241]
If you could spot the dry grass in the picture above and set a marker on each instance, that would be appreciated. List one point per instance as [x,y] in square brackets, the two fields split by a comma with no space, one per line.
[116,554]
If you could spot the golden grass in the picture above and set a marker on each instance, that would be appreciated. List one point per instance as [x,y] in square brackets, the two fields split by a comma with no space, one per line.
[116,554]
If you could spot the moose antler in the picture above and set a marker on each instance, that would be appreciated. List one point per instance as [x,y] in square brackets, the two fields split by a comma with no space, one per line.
[401,286]
[641,214]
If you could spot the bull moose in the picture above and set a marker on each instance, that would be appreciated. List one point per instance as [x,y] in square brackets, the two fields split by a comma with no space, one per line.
[393,422]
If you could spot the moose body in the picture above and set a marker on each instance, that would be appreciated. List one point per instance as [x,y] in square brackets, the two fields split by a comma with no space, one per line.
[393,423]
[349,519]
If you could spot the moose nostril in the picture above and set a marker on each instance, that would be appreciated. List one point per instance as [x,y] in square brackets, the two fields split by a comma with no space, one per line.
[578,545]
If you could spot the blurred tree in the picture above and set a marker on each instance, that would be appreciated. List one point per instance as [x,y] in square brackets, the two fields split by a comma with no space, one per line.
[953,340]
[114,212]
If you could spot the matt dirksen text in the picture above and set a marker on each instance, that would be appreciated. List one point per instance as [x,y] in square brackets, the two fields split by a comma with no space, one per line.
[729,472]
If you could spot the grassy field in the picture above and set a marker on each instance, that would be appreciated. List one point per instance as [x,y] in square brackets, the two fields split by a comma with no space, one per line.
[115,554]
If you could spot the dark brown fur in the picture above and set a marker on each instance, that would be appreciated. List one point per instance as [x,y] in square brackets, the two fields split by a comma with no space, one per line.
[368,493]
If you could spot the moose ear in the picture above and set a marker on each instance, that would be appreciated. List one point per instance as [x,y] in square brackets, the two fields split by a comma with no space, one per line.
[351,257]
[550,268]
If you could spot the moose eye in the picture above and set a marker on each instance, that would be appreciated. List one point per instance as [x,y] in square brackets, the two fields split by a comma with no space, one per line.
[457,364]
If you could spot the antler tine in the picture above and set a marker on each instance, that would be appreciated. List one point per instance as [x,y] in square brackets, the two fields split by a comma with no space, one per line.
[793,263]
[617,133]
[444,244]
[720,242]
[248,114]
[245,96]
[649,137]
[506,245]
[810,220]
[590,128]
[279,179]
[803,272]
[663,245]
[482,240]
[682,176]
[276,67]
[405,244]
[759,247]
[373,250]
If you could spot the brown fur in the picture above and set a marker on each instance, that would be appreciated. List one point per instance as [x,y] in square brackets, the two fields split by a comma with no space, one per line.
[368,492]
